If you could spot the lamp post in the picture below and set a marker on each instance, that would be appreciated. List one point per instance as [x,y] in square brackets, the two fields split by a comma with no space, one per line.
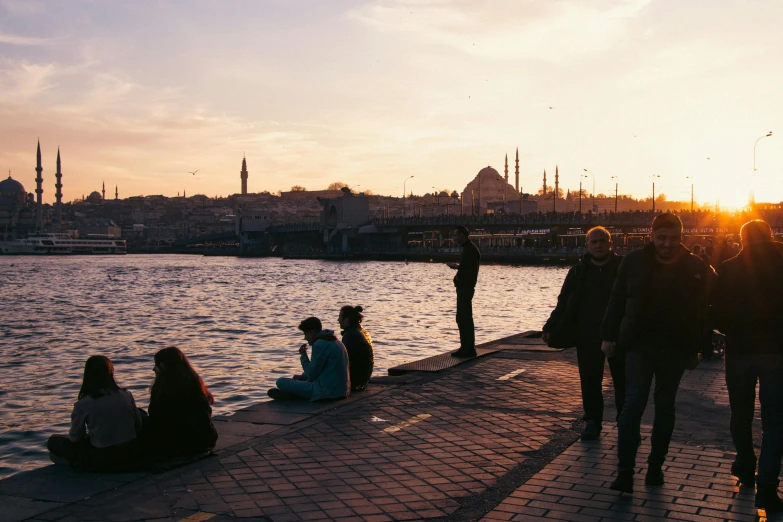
[753,181]
[593,175]
[580,193]
[403,195]
[653,181]
[691,178]
[616,182]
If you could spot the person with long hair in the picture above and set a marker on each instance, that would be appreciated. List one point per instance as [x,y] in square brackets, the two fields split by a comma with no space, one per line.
[105,423]
[358,344]
[180,410]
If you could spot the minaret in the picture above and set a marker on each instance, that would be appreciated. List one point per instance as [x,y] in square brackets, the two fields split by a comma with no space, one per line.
[59,192]
[544,194]
[557,184]
[243,175]
[39,190]
[116,192]
[103,192]
[516,171]
[506,168]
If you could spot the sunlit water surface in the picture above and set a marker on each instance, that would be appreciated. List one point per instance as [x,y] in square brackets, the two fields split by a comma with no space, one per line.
[235,319]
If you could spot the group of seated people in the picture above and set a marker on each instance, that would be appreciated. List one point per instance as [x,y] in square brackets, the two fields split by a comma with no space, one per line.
[336,368]
[109,433]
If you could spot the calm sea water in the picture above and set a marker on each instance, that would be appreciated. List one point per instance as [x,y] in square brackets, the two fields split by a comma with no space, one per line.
[235,319]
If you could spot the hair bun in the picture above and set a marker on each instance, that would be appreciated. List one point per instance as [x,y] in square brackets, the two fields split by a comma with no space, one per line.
[359,309]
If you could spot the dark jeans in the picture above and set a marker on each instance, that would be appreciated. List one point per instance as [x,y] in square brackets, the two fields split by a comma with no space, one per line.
[591,375]
[742,373]
[641,365]
[467,330]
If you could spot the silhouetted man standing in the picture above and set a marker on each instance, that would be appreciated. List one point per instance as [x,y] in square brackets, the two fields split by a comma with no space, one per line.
[748,306]
[658,314]
[465,281]
[576,321]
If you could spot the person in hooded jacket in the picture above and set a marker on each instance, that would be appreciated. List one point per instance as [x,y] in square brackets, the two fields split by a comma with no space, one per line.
[358,344]
[747,304]
[326,375]
[576,321]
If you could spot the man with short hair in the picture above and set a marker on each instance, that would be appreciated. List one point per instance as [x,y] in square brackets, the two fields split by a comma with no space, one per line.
[326,375]
[465,282]
[658,314]
[576,321]
[748,304]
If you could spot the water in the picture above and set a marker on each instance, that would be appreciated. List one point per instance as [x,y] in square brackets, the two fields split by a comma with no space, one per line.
[235,319]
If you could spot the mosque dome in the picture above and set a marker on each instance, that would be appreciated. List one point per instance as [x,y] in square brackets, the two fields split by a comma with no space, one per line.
[488,172]
[94,196]
[10,186]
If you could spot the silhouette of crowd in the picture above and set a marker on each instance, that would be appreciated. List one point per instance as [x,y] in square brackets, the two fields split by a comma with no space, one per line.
[653,314]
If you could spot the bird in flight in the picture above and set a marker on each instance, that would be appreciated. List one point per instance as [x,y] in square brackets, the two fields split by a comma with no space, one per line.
[194,172]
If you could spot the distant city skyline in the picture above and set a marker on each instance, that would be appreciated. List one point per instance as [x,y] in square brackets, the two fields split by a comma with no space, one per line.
[140,95]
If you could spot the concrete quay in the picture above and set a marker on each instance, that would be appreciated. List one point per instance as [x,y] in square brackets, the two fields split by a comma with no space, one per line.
[491,438]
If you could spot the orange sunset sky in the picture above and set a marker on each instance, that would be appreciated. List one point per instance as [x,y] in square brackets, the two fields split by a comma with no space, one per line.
[137,94]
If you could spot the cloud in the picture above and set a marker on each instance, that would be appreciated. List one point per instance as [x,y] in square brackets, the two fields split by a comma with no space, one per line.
[507,29]
[12,39]
[22,81]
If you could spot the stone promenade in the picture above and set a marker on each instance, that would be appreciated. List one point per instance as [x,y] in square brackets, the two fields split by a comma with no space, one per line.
[493,438]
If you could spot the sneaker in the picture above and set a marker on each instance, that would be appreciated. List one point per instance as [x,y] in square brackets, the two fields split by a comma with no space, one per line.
[767,499]
[654,475]
[463,353]
[623,483]
[592,431]
[746,476]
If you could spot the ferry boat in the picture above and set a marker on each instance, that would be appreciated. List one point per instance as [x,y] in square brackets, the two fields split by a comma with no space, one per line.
[63,244]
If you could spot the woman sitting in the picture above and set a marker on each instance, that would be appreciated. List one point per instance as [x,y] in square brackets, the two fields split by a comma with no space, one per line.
[359,345]
[105,423]
[180,411]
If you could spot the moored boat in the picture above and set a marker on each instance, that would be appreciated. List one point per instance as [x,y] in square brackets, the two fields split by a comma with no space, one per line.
[63,244]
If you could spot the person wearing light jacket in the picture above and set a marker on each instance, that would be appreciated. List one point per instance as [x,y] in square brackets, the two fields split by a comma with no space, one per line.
[326,376]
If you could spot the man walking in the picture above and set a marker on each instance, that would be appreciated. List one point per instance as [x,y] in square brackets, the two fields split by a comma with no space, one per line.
[465,281]
[748,305]
[576,321]
[658,314]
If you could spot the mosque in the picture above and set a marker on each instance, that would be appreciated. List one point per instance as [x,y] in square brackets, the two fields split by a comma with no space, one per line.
[489,193]
[22,213]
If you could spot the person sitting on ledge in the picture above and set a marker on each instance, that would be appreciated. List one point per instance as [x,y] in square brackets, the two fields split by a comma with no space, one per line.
[358,344]
[180,411]
[105,424]
[326,376]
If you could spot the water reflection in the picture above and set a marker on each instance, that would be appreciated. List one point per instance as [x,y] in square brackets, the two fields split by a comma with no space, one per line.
[234,318]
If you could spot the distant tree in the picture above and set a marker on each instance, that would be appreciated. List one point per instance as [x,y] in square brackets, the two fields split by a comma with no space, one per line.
[367,192]
[600,195]
[337,185]
[298,188]
[550,190]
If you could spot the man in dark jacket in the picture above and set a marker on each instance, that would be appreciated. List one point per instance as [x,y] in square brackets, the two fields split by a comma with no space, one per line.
[748,304]
[465,281]
[576,321]
[658,314]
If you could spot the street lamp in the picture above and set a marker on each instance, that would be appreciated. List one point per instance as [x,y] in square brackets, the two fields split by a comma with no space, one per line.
[593,175]
[403,195]
[691,178]
[753,181]
[616,182]
[653,178]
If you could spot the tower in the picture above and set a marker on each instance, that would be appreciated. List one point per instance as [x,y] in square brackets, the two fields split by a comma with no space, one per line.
[544,194]
[59,190]
[516,171]
[39,190]
[557,184]
[103,191]
[506,168]
[243,175]
[116,192]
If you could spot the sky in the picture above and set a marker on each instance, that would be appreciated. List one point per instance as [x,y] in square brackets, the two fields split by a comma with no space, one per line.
[137,94]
